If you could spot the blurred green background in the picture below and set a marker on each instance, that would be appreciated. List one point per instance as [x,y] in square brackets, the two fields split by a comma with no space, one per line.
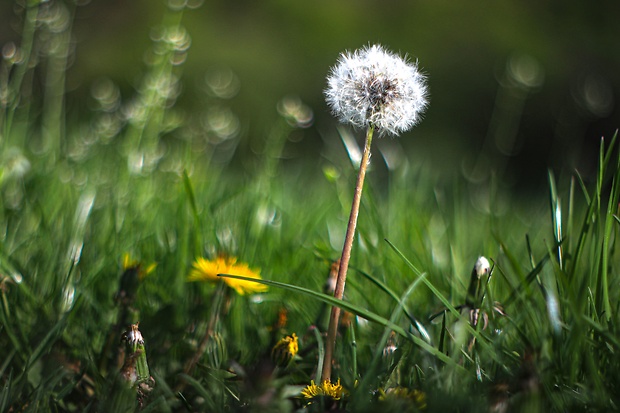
[515,86]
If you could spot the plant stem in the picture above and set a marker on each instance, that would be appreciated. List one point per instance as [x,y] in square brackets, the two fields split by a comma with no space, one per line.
[218,299]
[332,330]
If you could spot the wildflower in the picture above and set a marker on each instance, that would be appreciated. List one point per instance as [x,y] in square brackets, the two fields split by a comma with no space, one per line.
[476,290]
[135,371]
[133,274]
[373,87]
[133,336]
[335,391]
[206,270]
[131,264]
[285,349]
[381,91]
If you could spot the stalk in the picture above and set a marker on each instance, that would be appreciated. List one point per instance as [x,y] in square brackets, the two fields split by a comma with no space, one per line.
[332,329]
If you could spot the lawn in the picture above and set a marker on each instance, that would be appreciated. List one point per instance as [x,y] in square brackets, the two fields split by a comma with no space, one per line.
[124,221]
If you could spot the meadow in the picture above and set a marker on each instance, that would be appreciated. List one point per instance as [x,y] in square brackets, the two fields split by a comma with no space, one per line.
[125,219]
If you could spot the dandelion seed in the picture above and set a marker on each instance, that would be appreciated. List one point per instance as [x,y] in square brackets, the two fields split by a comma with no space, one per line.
[373,87]
[206,270]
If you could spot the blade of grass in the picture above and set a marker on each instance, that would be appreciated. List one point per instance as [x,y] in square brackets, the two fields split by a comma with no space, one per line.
[382,286]
[477,334]
[556,216]
[352,308]
[5,393]
[353,342]
[321,354]
[531,276]
[189,190]
[612,206]
[396,314]
[593,204]
[46,344]
[197,385]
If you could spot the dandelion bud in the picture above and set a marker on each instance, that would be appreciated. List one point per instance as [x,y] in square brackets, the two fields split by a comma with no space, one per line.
[373,87]
[134,382]
[475,290]
[482,267]
[285,349]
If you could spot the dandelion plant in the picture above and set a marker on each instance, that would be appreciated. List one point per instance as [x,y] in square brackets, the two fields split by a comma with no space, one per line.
[378,90]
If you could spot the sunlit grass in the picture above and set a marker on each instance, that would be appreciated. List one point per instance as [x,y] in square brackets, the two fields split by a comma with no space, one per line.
[139,178]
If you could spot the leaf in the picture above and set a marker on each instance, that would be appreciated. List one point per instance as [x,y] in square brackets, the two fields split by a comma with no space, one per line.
[352,308]
[480,339]
[421,329]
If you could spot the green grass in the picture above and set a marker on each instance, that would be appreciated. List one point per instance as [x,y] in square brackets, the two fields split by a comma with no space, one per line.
[138,176]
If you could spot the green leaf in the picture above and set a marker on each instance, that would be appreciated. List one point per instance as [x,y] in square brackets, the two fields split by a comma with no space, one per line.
[352,308]
[480,339]
[421,329]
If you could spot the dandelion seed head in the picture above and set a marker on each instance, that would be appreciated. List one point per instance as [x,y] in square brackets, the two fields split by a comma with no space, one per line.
[374,87]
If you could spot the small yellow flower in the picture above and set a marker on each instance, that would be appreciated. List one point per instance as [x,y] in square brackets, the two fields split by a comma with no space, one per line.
[129,264]
[335,391]
[206,270]
[285,349]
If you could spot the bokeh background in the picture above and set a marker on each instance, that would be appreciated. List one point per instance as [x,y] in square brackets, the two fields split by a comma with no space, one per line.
[515,86]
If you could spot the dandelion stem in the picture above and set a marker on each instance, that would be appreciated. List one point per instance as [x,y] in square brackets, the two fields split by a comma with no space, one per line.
[218,299]
[332,329]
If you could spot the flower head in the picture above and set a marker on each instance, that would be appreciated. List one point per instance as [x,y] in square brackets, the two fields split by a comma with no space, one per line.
[131,264]
[133,273]
[335,391]
[285,349]
[374,87]
[208,270]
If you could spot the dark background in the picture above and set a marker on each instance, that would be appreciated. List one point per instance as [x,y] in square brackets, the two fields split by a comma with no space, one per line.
[541,78]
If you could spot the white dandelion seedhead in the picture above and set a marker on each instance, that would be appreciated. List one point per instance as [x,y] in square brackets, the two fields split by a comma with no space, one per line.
[374,87]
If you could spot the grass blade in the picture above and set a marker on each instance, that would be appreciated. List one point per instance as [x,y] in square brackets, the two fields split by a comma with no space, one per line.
[480,339]
[357,310]
[382,286]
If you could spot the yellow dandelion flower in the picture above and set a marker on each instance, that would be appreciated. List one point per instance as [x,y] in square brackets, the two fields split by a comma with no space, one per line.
[128,262]
[241,286]
[311,391]
[335,390]
[285,349]
[131,264]
[206,270]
